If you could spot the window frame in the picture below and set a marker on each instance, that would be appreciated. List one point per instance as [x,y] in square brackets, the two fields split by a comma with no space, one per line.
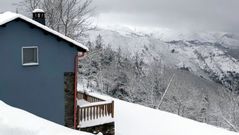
[30,64]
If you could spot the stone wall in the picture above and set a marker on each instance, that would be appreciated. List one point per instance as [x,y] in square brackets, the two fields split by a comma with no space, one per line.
[69,81]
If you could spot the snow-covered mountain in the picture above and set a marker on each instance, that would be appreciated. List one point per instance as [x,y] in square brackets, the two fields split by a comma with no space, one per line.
[210,55]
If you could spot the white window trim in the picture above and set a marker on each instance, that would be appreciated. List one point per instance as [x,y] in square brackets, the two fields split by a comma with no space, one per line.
[30,64]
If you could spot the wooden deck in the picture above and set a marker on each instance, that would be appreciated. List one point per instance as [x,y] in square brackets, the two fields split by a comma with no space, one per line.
[93,111]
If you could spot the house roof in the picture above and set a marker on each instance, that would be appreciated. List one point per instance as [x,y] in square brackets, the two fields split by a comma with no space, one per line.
[10,16]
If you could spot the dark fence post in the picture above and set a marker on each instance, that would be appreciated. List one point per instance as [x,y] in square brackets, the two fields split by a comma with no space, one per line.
[85,96]
[78,117]
[112,109]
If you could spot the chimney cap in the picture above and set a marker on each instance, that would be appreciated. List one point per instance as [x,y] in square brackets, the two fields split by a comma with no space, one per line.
[37,11]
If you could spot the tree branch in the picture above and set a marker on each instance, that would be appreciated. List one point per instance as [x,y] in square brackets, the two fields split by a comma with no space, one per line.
[161,100]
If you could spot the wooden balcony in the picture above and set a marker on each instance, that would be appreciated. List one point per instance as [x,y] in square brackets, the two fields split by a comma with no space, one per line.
[93,111]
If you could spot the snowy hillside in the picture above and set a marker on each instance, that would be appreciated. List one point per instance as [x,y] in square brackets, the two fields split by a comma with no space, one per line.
[14,121]
[133,119]
[210,55]
[130,119]
[136,67]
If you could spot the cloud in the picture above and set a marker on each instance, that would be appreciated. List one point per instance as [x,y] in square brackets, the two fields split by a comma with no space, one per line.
[200,15]
[197,15]
[8,5]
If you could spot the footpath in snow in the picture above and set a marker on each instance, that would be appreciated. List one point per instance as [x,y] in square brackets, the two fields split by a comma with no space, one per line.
[14,121]
[133,119]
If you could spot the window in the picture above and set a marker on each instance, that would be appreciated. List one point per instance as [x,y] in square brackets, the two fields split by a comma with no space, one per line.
[30,56]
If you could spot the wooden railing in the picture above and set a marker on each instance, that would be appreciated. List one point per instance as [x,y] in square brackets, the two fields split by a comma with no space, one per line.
[88,98]
[96,109]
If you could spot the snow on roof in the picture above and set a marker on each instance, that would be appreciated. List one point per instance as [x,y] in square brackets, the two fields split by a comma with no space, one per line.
[37,11]
[10,16]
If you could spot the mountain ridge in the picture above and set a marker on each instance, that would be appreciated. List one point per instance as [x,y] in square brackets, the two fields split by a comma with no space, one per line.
[137,67]
[215,58]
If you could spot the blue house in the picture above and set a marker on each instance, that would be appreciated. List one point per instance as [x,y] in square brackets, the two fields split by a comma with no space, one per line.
[38,66]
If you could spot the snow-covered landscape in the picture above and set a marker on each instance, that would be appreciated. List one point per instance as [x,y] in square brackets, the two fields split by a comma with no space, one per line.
[119,67]
[198,51]
[203,65]
[130,119]
[14,121]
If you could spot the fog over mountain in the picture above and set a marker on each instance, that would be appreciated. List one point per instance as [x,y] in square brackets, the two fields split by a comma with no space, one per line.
[182,15]
[186,15]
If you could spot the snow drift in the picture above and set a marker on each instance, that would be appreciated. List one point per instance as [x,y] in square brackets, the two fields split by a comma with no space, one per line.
[130,119]
[133,119]
[14,121]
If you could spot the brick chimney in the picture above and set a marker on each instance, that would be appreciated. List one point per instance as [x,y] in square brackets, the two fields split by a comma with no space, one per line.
[39,16]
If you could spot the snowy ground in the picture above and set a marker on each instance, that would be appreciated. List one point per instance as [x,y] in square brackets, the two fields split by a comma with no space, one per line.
[133,119]
[14,121]
[130,119]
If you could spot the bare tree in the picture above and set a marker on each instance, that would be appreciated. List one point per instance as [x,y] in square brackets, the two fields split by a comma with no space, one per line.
[161,100]
[28,6]
[69,17]
[230,114]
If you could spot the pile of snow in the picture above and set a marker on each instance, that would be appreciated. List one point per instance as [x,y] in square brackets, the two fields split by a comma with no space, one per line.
[133,119]
[14,121]
[96,122]
[37,11]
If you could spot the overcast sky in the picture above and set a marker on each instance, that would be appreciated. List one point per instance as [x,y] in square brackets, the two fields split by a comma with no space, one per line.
[192,15]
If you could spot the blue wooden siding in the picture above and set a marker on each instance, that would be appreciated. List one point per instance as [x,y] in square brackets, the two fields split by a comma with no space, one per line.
[37,89]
